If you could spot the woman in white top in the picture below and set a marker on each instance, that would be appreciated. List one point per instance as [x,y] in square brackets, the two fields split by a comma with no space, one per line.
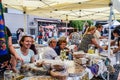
[24,52]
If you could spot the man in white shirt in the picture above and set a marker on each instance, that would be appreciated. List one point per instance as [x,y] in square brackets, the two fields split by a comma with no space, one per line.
[49,52]
[97,33]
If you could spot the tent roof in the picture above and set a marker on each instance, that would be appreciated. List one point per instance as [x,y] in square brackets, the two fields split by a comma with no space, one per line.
[114,24]
[64,9]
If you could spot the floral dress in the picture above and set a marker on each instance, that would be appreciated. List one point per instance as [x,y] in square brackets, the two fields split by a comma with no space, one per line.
[87,39]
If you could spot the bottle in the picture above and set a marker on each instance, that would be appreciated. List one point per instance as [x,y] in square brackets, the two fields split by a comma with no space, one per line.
[62,55]
[91,49]
[96,52]
[8,75]
[70,56]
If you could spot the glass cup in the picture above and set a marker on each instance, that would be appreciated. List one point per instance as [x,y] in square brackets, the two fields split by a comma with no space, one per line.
[8,75]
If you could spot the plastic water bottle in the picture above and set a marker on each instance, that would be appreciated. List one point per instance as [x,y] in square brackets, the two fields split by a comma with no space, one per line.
[70,56]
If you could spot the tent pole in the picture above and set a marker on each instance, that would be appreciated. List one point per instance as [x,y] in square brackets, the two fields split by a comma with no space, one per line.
[66,25]
[25,22]
[110,24]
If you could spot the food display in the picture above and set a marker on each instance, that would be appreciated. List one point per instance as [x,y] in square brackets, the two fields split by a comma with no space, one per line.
[39,64]
[80,61]
[33,69]
[76,71]
[79,54]
[59,71]
[78,58]
[39,78]
[59,75]
[58,67]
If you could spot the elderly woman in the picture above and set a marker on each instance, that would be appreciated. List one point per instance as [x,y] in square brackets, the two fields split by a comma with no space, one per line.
[24,52]
[61,46]
[87,39]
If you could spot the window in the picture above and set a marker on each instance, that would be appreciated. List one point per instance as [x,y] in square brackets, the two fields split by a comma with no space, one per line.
[32,31]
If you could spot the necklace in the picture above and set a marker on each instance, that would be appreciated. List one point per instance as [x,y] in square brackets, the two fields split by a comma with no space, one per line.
[24,52]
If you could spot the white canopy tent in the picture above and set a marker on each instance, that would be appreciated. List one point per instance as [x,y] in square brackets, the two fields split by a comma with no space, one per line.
[116,4]
[114,24]
[74,9]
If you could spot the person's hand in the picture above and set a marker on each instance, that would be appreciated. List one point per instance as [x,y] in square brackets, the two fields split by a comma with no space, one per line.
[19,58]
[75,48]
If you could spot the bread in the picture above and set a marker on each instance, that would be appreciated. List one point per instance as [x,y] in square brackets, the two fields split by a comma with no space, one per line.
[39,64]
[59,75]
[78,56]
[58,67]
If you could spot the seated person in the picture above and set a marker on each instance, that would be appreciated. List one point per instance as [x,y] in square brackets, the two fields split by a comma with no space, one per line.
[61,38]
[49,52]
[24,52]
[61,46]
[88,38]
[116,41]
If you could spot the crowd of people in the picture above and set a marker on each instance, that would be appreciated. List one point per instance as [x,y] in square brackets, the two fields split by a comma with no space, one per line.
[27,51]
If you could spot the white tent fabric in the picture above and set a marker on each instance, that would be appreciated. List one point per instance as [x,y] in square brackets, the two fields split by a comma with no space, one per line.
[114,24]
[74,9]
[116,4]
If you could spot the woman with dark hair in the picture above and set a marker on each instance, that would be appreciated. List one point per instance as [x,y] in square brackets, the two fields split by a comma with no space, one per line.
[24,52]
[33,46]
[116,41]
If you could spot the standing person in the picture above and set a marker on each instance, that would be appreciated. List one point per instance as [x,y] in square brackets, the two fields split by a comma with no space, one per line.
[40,35]
[6,51]
[22,33]
[87,39]
[46,35]
[50,33]
[116,41]
[55,33]
[18,33]
[6,47]
[97,33]
[86,25]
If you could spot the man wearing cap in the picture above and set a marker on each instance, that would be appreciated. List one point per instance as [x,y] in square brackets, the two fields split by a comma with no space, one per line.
[49,52]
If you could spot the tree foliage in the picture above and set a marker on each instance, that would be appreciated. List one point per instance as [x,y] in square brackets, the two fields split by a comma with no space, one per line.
[78,24]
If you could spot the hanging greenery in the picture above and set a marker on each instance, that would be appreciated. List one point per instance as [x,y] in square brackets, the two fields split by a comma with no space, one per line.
[78,24]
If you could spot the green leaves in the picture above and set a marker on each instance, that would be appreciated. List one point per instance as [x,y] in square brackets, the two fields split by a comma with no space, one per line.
[78,24]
